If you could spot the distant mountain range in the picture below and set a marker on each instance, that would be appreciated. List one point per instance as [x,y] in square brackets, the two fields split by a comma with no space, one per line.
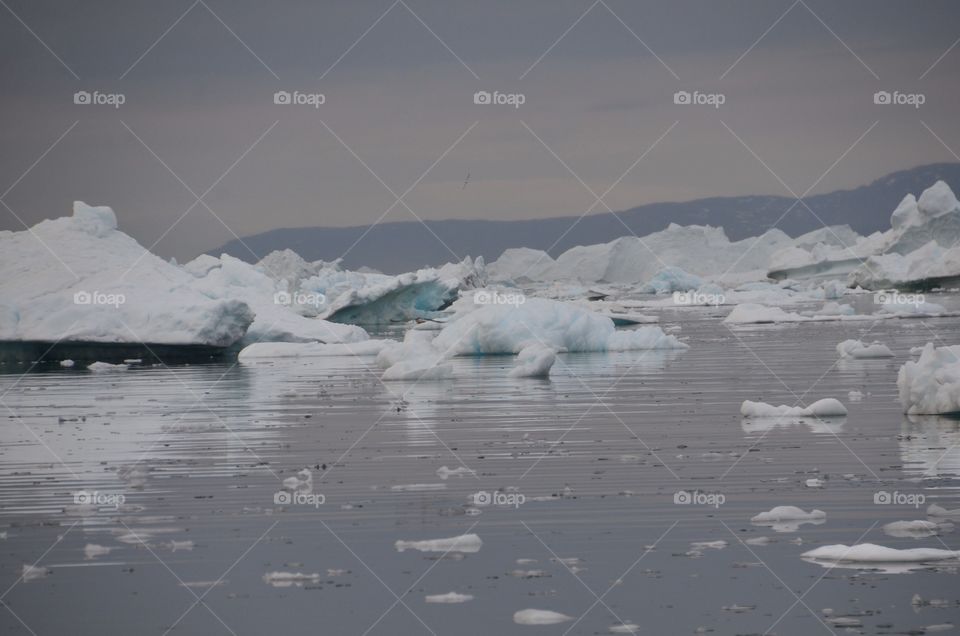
[403,246]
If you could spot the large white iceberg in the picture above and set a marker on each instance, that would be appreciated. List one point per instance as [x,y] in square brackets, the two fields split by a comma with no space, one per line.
[931,385]
[79,278]
[696,249]
[918,249]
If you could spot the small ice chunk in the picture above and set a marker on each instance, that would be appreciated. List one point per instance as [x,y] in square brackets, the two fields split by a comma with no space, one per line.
[827,407]
[788,518]
[288,579]
[465,543]
[449,597]
[66,363]
[33,572]
[534,361]
[917,529]
[855,395]
[443,472]
[92,551]
[539,617]
[625,628]
[102,367]
[857,349]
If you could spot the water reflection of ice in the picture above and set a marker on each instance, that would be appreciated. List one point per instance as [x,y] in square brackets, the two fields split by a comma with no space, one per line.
[930,446]
[818,426]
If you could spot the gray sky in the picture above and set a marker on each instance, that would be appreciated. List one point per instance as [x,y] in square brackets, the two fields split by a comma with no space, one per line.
[199,79]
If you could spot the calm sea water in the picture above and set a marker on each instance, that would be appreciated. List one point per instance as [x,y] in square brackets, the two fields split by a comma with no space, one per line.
[183,466]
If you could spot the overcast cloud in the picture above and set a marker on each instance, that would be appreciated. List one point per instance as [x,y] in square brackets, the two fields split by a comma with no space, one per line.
[199,107]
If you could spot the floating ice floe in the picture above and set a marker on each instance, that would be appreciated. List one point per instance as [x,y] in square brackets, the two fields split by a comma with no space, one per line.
[624,628]
[106,367]
[934,510]
[857,349]
[788,518]
[827,407]
[33,572]
[449,597]
[539,617]
[534,361]
[931,385]
[288,579]
[465,543]
[92,551]
[93,283]
[872,553]
[917,529]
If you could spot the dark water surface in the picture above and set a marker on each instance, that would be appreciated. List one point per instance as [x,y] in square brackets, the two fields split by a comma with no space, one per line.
[598,454]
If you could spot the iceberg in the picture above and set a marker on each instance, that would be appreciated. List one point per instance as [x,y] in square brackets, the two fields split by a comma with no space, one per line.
[931,385]
[698,249]
[503,328]
[917,251]
[277,318]
[363,298]
[80,279]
